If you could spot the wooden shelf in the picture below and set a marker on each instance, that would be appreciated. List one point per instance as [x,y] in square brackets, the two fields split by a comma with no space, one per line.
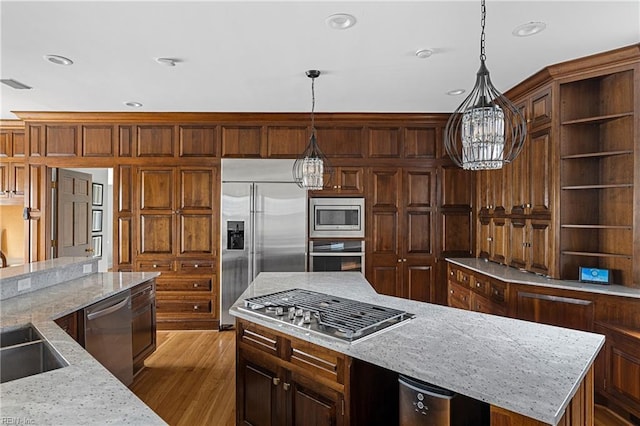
[597,119]
[595,254]
[599,226]
[616,185]
[597,154]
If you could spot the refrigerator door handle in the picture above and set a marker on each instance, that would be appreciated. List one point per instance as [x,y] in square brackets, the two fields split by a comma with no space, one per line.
[254,242]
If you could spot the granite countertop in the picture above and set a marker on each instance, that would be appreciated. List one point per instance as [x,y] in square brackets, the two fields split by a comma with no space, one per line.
[84,392]
[512,275]
[528,368]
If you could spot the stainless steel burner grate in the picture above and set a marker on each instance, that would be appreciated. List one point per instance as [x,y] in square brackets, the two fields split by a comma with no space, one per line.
[337,316]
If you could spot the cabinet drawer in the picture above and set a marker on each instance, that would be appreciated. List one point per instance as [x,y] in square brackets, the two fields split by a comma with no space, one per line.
[258,337]
[458,296]
[155,266]
[464,278]
[199,284]
[184,306]
[482,304]
[498,292]
[317,361]
[480,284]
[196,266]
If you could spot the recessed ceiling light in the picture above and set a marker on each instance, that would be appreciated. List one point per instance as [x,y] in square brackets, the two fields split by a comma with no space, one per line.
[58,60]
[341,21]
[528,29]
[133,104]
[14,83]
[424,53]
[455,92]
[170,62]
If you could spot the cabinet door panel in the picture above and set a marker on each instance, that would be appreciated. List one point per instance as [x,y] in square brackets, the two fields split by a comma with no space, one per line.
[500,240]
[4,180]
[384,233]
[196,234]
[518,236]
[386,279]
[157,189]
[418,233]
[196,189]
[540,158]
[18,147]
[351,180]
[311,408]
[540,250]
[343,142]
[420,282]
[258,395]
[156,234]
[18,178]
[419,188]
[124,241]
[485,239]
[386,189]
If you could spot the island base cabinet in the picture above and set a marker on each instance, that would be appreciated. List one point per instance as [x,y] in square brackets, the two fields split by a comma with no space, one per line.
[143,323]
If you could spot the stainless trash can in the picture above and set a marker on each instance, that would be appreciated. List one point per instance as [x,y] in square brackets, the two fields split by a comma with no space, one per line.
[423,404]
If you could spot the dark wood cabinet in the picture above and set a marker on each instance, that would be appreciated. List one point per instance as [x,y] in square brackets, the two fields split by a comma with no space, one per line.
[476,292]
[12,182]
[548,307]
[401,211]
[618,375]
[143,323]
[346,181]
[284,381]
[72,324]
[177,235]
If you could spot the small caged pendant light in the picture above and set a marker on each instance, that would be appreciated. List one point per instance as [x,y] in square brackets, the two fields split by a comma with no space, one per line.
[311,169]
[486,131]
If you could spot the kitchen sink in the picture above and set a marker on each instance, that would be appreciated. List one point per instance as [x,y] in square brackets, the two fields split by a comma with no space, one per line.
[24,352]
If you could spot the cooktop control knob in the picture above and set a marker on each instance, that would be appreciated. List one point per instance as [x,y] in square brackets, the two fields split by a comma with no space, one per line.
[279,311]
[299,312]
[306,318]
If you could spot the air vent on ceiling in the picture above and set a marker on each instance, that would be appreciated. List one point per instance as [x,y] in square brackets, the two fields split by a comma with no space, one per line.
[14,83]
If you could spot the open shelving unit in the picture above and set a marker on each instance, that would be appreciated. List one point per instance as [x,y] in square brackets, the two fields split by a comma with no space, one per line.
[597,175]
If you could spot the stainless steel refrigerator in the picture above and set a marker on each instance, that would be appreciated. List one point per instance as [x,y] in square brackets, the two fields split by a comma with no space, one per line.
[264,219]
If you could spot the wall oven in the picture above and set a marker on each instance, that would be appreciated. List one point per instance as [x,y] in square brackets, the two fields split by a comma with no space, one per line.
[336,255]
[336,217]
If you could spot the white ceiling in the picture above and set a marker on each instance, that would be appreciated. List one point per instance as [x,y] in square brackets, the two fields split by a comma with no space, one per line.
[240,56]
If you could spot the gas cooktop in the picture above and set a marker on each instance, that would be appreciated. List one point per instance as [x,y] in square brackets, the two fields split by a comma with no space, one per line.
[325,314]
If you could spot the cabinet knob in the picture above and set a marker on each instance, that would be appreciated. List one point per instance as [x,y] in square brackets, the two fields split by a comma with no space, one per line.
[478,285]
[196,307]
[195,285]
[404,260]
[399,260]
[451,273]
[489,239]
[155,266]
[276,381]
[195,266]
[451,291]
[528,206]
[286,386]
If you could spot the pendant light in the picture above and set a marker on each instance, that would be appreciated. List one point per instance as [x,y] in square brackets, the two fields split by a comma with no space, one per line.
[311,169]
[486,131]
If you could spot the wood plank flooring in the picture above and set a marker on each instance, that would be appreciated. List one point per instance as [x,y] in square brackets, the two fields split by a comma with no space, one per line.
[190,380]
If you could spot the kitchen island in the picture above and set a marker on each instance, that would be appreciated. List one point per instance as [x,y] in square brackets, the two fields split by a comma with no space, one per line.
[84,392]
[529,369]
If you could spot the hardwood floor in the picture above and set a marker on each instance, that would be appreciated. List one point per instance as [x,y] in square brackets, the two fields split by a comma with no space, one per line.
[190,379]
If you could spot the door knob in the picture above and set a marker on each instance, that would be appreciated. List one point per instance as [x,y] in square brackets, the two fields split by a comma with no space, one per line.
[276,381]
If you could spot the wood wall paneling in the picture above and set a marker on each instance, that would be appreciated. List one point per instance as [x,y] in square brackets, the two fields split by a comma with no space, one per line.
[422,142]
[384,142]
[286,141]
[155,141]
[61,140]
[341,142]
[198,141]
[98,141]
[241,142]
[125,141]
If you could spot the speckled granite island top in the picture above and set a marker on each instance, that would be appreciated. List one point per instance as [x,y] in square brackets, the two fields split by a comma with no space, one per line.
[84,392]
[531,369]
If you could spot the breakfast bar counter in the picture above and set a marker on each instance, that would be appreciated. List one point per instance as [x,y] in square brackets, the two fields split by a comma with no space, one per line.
[530,369]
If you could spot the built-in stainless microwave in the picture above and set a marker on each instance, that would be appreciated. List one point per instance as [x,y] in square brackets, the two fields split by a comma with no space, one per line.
[336,217]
